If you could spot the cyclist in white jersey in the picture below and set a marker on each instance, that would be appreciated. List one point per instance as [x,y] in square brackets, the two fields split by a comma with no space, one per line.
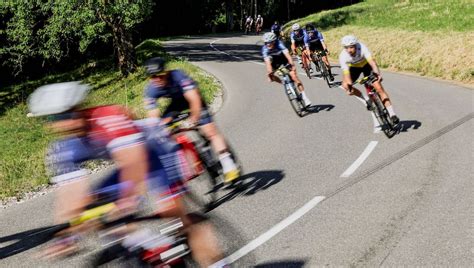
[355,59]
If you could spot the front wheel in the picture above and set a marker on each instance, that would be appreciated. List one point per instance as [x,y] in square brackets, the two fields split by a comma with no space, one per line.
[295,98]
[325,72]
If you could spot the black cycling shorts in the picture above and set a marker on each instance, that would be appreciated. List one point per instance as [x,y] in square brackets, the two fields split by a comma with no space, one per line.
[356,71]
[277,61]
[179,105]
[315,46]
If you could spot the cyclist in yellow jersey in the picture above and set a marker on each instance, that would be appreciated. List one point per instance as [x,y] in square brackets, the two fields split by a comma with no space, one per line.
[355,59]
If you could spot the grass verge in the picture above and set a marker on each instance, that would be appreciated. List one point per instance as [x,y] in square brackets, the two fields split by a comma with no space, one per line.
[428,37]
[23,140]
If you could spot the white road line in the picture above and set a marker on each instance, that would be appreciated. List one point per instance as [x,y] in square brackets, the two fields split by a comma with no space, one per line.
[377,127]
[370,147]
[270,233]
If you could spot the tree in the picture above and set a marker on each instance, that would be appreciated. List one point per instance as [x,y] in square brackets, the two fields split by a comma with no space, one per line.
[50,30]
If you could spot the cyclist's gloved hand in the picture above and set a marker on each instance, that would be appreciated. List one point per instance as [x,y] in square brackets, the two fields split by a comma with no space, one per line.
[293,67]
[188,124]
[379,77]
[327,51]
[270,75]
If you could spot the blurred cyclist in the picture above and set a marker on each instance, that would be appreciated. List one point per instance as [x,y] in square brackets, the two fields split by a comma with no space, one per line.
[184,94]
[108,132]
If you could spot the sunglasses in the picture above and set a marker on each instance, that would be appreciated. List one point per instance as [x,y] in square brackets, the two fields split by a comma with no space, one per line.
[352,46]
[161,76]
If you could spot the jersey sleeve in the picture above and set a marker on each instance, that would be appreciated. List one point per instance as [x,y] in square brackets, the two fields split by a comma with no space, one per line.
[365,52]
[282,47]
[184,81]
[292,37]
[343,63]
[150,98]
[265,53]
[320,36]
[64,159]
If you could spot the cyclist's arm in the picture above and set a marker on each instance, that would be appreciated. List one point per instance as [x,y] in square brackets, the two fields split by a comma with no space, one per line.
[288,57]
[346,76]
[368,56]
[195,104]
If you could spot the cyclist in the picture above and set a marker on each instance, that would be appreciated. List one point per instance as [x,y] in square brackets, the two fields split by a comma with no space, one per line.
[314,41]
[184,94]
[248,24]
[108,132]
[276,29]
[297,41]
[276,54]
[258,24]
[355,59]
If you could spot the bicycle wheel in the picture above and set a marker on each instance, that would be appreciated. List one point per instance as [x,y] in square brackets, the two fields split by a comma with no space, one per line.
[324,72]
[380,112]
[316,64]
[295,99]
[202,190]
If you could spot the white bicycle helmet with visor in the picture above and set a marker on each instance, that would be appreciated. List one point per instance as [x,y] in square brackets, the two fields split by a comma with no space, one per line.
[269,37]
[56,98]
[295,27]
[349,40]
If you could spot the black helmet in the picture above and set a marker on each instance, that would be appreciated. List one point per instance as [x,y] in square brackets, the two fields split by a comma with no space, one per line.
[155,66]
[310,27]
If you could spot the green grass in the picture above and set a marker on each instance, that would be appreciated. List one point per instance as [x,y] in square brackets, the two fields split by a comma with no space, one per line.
[23,140]
[428,37]
[413,15]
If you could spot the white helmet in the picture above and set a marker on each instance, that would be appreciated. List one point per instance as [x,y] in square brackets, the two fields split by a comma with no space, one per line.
[269,37]
[295,27]
[56,98]
[349,40]
[259,16]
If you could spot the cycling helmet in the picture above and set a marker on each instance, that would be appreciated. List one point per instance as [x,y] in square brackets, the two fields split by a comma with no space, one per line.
[349,40]
[269,37]
[155,66]
[259,16]
[56,98]
[295,27]
[310,27]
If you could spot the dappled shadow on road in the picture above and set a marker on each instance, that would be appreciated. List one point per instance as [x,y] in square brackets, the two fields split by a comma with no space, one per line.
[252,183]
[281,264]
[204,52]
[406,125]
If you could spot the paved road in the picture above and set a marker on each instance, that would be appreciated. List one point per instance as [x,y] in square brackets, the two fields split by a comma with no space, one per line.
[409,203]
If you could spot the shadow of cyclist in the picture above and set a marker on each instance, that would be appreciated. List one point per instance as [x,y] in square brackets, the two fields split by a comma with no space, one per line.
[283,263]
[251,183]
[23,241]
[314,109]
[406,125]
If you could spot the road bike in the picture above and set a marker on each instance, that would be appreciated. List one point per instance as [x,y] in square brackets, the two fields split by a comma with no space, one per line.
[207,176]
[377,106]
[293,94]
[320,66]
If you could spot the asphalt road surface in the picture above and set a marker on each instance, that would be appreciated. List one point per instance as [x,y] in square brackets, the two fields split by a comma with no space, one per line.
[328,188]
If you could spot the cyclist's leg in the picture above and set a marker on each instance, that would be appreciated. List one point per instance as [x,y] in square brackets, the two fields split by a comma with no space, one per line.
[300,87]
[220,147]
[306,58]
[385,99]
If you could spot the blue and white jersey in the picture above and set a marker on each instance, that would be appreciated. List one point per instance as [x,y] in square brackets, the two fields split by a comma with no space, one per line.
[313,37]
[297,37]
[277,51]
[178,84]
[276,28]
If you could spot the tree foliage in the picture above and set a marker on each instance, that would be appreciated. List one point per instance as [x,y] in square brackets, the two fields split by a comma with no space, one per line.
[50,30]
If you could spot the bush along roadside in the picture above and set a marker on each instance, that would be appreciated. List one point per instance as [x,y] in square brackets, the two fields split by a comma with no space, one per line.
[23,140]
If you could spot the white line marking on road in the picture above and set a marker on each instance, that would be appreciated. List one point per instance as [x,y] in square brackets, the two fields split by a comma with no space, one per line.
[370,147]
[270,233]
[377,127]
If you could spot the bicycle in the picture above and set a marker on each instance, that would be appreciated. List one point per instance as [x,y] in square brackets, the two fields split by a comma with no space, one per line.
[321,67]
[377,106]
[293,94]
[207,174]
